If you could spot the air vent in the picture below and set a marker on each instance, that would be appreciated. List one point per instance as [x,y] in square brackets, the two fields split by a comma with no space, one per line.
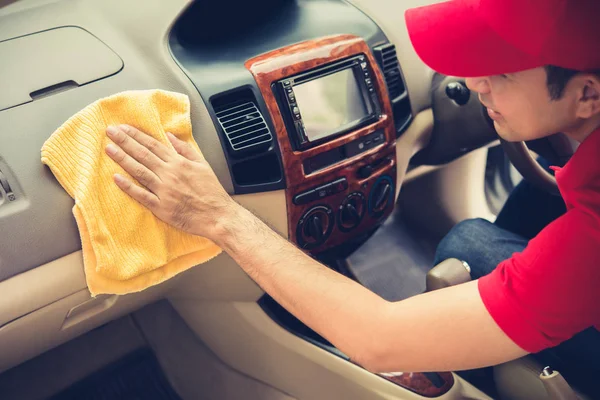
[388,61]
[244,126]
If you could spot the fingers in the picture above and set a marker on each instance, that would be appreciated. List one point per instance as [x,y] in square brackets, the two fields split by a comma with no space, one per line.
[133,148]
[184,148]
[155,146]
[142,196]
[137,170]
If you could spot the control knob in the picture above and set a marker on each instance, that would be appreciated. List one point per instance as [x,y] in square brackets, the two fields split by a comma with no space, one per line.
[382,195]
[351,211]
[314,227]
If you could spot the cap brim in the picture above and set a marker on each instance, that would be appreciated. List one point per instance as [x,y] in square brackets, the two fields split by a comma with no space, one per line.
[453,39]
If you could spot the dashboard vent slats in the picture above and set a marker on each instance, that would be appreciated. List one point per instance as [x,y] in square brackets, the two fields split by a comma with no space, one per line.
[388,60]
[390,68]
[244,126]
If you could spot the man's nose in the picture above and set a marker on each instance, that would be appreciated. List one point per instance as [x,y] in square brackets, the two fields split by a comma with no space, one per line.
[480,85]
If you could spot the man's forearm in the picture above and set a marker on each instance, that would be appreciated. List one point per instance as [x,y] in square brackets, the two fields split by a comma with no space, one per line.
[339,309]
[448,329]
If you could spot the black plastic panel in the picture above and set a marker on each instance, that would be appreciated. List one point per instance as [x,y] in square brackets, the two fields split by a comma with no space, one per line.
[396,85]
[213,40]
[257,166]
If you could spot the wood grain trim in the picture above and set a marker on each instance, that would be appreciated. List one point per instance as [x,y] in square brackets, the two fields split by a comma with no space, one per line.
[281,63]
[420,384]
[288,61]
[338,237]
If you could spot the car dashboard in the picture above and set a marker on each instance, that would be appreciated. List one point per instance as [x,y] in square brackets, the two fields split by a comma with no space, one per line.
[307,111]
[337,186]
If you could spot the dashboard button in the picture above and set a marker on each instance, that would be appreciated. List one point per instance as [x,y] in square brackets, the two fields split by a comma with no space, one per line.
[300,129]
[322,192]
[340,185]
[305,197]
[364,171]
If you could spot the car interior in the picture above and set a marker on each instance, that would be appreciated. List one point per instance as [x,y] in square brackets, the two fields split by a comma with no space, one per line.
[317,116]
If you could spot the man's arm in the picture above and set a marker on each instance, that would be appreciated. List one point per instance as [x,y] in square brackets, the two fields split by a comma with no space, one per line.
[444,330]
[439,331]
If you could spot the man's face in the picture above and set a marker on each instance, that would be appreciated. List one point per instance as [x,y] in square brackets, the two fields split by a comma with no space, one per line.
[521,107]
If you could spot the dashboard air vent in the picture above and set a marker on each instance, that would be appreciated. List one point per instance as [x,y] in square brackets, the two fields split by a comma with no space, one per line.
[244,126]
[388,61]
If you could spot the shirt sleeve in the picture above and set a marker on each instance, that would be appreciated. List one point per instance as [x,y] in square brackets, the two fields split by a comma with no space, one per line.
[550,291]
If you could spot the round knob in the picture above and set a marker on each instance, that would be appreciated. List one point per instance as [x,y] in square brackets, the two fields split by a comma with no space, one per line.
[458,92]
[382,195]
[351,211]
[350,214]
[314,227]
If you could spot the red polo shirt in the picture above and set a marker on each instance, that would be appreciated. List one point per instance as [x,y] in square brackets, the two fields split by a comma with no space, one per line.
[551,291]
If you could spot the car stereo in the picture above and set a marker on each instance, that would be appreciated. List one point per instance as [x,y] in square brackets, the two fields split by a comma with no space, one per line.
[328,101]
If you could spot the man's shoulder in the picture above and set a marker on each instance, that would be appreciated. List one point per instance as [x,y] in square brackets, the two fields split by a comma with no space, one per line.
[560,263]
[568,246]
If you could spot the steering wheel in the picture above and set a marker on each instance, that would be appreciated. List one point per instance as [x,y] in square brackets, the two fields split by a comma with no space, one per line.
[557,148]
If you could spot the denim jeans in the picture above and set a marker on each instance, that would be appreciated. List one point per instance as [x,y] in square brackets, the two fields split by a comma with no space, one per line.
[484,245]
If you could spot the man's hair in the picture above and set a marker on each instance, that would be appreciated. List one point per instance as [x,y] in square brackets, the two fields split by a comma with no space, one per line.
[558,78]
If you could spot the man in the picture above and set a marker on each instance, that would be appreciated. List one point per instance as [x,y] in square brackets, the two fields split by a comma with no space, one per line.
[534,300]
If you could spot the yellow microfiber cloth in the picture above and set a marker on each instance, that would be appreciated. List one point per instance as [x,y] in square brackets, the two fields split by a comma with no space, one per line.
[125,247]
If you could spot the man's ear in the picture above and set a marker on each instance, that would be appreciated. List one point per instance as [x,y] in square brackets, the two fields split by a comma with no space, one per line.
[588,102]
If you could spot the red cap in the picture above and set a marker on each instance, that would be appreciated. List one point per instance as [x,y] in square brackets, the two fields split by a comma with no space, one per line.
[470,38]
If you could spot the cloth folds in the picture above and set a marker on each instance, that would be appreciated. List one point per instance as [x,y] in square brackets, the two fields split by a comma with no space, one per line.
[125,247]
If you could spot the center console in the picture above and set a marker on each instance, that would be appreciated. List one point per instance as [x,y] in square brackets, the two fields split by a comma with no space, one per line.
[334,125]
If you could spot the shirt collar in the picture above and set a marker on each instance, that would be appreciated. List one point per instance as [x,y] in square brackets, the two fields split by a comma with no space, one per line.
[580,177]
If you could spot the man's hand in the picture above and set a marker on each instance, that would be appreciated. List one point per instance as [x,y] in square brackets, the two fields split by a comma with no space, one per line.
[178,186]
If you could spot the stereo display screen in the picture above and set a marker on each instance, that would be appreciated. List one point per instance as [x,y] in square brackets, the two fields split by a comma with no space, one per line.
[330,104]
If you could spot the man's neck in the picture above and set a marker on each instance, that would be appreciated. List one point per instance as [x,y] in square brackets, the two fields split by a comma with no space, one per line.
[585,129]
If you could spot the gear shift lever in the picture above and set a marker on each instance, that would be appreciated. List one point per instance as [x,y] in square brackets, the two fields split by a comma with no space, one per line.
[453,272]
[556,386]
[449,272]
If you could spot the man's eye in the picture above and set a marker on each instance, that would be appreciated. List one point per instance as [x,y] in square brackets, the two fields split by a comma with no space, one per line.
[503,76]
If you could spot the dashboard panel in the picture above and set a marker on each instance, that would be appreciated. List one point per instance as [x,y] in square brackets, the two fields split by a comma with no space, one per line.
[180,53]
[176,56]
